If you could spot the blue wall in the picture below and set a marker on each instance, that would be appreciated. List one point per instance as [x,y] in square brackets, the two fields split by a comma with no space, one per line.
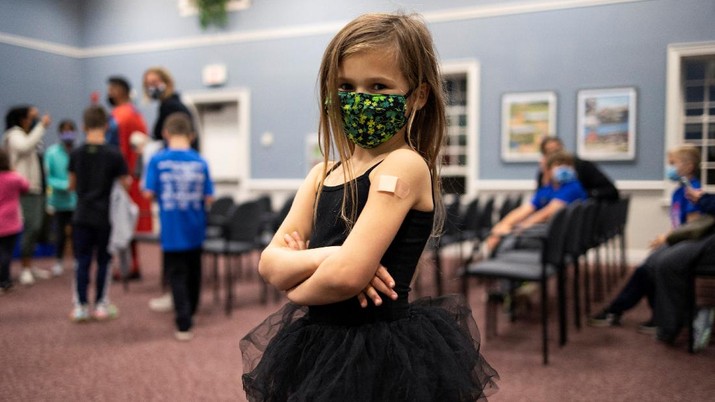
[561,51]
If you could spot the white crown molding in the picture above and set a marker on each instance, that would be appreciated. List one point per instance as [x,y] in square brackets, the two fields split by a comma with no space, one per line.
[40,45]
[484,11]
[500,9]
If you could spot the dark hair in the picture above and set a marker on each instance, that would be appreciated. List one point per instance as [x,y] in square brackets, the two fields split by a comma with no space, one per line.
[95,117]
[546,141]
[4,160]
[65,123]
[120,81]
[15,115]
[178,123]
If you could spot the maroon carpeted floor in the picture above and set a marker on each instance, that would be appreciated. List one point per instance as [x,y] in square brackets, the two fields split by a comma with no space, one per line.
[45,357]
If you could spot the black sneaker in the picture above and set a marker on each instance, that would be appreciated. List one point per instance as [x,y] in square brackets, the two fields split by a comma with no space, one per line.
[605,319]
[6,287]
[648,327]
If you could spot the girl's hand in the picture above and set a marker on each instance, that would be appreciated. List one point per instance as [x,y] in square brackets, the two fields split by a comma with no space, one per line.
[295,241]
[382,282]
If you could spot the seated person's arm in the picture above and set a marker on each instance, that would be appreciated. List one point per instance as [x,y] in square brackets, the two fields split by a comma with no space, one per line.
[345,273]
[543,214]
[693,216]
[513,218]
[661,239]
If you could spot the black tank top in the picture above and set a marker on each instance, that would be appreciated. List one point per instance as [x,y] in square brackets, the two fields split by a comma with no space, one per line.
[400,259]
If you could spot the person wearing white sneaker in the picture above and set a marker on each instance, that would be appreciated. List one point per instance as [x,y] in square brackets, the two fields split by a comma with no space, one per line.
[61,201]
[104,311]
[12,185]
[94,167]
[23,138]
[26,277]
[184,336]
[80,313]
[178,178]
[162,304]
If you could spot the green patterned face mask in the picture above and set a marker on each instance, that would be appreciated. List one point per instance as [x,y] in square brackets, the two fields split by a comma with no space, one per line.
[371,119]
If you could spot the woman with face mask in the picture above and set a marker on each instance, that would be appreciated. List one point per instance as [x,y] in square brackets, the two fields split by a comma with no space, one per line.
[25,131]
[560,189]
[682,168]
[159,86]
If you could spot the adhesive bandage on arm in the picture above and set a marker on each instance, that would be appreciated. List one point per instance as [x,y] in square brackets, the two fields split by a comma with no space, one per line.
[393,184]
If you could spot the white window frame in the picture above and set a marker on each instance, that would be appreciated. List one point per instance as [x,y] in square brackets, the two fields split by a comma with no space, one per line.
[674,96]
[471,69]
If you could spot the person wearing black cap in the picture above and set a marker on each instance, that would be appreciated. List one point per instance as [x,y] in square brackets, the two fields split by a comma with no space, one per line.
[128,121]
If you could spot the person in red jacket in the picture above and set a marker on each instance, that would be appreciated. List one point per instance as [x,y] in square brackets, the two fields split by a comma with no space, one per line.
[128,121]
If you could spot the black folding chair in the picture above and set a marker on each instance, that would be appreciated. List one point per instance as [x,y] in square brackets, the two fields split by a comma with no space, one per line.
[219,211]
[451,235]
[550,263]
[241,236]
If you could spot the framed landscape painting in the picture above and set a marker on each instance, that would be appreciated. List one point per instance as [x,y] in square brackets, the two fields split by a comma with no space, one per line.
[606,124]
[527,118]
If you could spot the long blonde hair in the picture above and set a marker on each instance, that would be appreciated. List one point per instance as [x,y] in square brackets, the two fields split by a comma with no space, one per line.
[165,76]
[408,38]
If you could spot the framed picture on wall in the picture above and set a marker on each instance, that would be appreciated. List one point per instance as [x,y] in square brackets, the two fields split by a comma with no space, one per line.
[527,118]
[606,124]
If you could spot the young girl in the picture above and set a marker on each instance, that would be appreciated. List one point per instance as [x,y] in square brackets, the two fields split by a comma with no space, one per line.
[11,186]
[367,218]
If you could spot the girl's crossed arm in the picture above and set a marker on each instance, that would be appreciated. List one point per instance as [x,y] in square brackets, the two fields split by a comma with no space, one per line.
[284,266]
[349,269]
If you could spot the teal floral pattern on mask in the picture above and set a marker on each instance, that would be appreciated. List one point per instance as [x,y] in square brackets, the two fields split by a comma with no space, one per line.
[371,119]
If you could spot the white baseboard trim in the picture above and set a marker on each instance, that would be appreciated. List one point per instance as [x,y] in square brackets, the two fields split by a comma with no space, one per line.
[529,185]
[273,184]
[479,185]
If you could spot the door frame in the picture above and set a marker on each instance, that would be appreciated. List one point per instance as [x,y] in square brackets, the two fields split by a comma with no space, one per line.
[242,97]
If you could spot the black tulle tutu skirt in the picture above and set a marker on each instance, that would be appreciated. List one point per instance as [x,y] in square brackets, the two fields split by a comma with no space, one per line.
[430,354]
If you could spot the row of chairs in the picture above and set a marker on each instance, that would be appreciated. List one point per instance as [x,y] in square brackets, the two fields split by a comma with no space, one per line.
[236,230]
[566,240]
[469,224]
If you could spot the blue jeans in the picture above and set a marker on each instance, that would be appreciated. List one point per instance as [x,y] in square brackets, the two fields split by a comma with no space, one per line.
[641,284]
[87,241]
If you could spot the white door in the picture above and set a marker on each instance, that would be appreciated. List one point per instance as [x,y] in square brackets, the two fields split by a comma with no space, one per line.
[224,138]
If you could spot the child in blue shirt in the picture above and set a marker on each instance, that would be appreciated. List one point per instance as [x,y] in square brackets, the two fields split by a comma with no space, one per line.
[178,178]
[562,188]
